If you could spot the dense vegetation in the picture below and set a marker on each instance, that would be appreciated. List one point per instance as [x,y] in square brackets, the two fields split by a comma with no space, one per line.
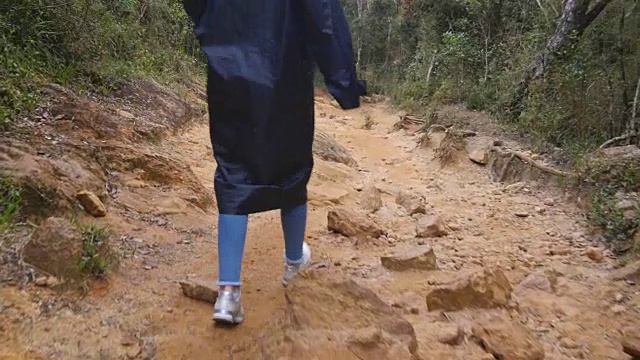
[89,43]
[481,52]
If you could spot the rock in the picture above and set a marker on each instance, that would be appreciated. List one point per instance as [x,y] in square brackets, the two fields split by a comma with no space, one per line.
[422,258]
[454,226]
[372,343]
[199,290]
[619,298]
[47,281]
[479,157]
[56,247]
[624,205]
[568,343]
[352,224]
[450,334]
[149,348]
[133,351]
[91,203]
[506,340]
[414,204]
[371,199]
[431,227]
[489,288]
[595,254]
[549,202]
[631,272]
[560,251]
[543,280]
[618,309]
[324,300]
[515,187]
[631,342]
[522,214]
[126,114]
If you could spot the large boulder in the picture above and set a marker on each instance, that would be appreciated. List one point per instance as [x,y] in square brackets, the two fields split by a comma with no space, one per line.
[56,247]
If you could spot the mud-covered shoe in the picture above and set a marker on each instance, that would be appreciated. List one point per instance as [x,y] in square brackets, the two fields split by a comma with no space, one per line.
[291,270]
[228,308]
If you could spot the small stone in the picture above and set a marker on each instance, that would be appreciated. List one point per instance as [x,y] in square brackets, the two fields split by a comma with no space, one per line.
[560,251]
[508,340]
[149,348]
[479,157]
[198,290]
[431,227]
[568,343]
[91,203]
[412,259]
[631,342]
[487,289]
[625,205]
[450,334]
[619,298]
[134,351]
[618,309]
[352,224]
[595,254]
[412,203]
[126,114]
[41,281]
[543,280]
[522,214]
[549,202]
[454,227]
[371,199]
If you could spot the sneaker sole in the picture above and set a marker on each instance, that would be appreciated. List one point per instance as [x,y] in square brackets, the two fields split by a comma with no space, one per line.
[227,319]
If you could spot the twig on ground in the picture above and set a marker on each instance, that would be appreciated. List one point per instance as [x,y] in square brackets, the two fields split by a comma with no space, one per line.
[527,160]
[617,139]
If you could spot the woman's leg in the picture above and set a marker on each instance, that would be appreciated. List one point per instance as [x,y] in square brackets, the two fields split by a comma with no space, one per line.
[297,253]
[232,233]
[294,223]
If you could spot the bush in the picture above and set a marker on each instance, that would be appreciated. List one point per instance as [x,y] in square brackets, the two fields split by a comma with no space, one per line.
[86,43]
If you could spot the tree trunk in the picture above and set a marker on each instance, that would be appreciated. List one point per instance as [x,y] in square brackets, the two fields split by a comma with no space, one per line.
[576,16]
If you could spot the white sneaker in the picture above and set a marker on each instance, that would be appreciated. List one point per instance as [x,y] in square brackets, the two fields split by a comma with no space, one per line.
[228,308]
[291,270]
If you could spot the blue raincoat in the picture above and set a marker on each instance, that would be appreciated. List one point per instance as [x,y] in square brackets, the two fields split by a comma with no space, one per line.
[261,56]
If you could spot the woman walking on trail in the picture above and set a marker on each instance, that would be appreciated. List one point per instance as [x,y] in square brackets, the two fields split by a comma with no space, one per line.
[260,56]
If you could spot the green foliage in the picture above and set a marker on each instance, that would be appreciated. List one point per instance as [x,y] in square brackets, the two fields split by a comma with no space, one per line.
[603,180]
[90,43]
[96,260]
[426,52]
[618,226]
[10,201]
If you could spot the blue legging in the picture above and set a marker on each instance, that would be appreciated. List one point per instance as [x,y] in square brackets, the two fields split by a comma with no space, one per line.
[232,233]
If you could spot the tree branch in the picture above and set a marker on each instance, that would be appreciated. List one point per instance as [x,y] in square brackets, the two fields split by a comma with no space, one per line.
[593,13]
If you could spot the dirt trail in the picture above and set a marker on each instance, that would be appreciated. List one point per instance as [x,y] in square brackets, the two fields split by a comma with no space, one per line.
[572,309]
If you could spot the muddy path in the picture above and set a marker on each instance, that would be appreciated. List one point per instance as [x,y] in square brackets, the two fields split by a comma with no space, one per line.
[516,273]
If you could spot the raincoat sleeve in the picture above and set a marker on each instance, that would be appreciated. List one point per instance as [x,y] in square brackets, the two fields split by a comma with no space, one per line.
[329,42]
[195,9]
